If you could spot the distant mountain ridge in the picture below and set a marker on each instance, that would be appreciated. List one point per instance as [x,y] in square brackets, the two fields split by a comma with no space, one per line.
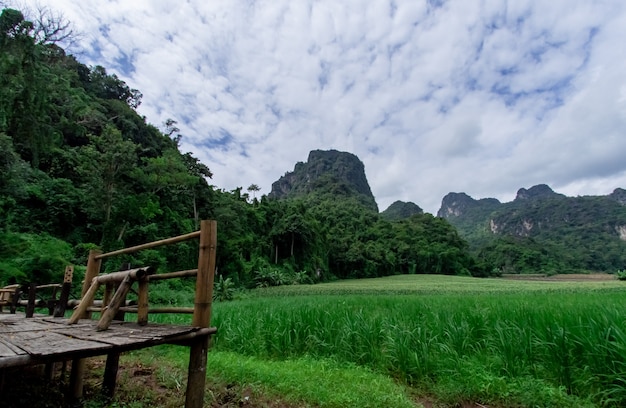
[326,171]
[542,230]
[538,192]
[457,204]
[400,210]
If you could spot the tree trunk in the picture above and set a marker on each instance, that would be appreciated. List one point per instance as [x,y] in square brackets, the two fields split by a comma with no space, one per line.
[195,211]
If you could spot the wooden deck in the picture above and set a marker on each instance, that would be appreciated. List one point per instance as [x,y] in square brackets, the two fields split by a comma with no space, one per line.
[42,340]
[45,339]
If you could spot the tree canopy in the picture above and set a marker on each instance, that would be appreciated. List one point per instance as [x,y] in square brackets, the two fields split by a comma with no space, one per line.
[80,169]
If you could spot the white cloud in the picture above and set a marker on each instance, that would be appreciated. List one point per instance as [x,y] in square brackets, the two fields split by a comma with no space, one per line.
[476,97]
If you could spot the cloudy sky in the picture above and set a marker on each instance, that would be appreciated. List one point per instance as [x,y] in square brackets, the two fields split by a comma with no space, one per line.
[434,96]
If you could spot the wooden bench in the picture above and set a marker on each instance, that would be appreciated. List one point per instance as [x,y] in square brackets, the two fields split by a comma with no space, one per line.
[9,296]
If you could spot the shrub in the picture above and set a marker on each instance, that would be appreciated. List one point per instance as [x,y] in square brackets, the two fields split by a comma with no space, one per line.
[266,277]
[224,289]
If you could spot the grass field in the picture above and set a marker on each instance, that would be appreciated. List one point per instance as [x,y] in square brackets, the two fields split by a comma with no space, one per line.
[440,284]
[432,340]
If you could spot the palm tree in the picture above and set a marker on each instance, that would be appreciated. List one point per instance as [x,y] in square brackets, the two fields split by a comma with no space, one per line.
[253,188]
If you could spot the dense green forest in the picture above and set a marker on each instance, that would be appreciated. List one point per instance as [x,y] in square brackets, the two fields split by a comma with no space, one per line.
[81,169]
[542,231]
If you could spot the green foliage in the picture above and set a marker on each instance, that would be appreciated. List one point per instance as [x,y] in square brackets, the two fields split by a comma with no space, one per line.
[621,275]
[551,234]
[224,289]
[78,163]
[105,162]
[37,258]
[172,292]
[400,210]
[266,277]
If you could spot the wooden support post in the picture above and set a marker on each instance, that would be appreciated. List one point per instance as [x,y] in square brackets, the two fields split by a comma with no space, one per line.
[16,299]
[118,298]
[196,377]
[77,380]
[52,302]
[49,371]
[110,374]
[78,365]
[85,302]
[142,302]
[59,310]
[206,274]
[109,290]
[32,293]
[93,269]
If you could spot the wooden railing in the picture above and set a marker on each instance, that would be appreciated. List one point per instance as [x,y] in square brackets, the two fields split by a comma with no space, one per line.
[53,296]
[115,302]
[204,280]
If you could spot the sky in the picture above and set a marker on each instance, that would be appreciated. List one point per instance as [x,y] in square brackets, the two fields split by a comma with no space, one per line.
[434,96]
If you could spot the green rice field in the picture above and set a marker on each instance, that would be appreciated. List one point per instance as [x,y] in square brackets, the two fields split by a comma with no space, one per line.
[493,342]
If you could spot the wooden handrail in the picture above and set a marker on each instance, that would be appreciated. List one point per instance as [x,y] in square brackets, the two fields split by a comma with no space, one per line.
[154,244]
[157,310]
[171,275]
[134,274]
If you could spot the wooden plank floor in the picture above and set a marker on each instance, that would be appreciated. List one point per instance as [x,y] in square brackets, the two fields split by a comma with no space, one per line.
[45,339]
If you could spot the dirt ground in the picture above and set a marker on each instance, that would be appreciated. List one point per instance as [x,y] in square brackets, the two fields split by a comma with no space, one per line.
[140,386]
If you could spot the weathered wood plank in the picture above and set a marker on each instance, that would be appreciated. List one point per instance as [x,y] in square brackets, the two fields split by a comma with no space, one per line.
[121,336]
[19,326]
[7,349]
[49,343]
[46,339]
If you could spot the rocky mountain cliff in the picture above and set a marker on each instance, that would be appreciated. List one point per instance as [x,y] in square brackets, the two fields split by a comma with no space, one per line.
[538,192]
[326,172]
[542,230]
[619,195]
[459,204]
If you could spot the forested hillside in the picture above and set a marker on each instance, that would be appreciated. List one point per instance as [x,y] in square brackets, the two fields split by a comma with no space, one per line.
[543,231]
[79,169]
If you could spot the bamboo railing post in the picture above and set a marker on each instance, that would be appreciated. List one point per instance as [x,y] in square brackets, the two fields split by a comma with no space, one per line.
[85,302]
[77,379]
[196,376]
[206,274]
[93,270]
[116,302]
[109,289]
[109,380]
[78,365]
[59,310]
[142,302]
[32,293]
